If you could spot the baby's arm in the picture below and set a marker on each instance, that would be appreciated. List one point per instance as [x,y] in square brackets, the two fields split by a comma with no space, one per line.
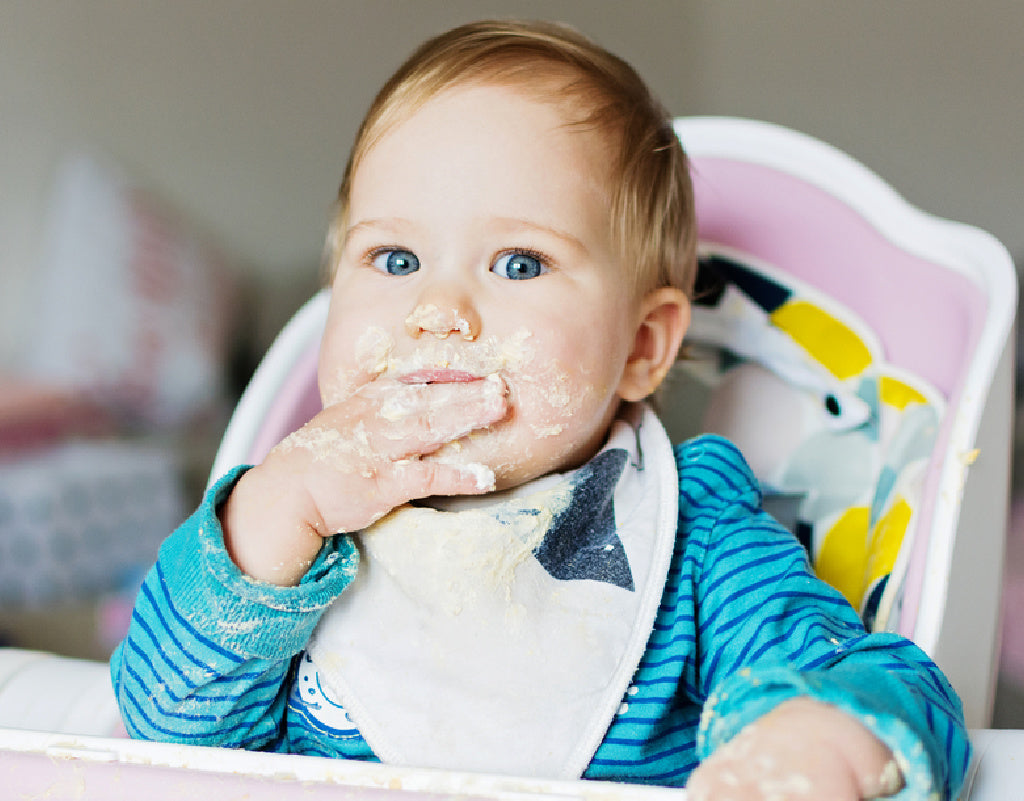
[769,631]
[802,749]
[207,656]
[351,465]
[793,640]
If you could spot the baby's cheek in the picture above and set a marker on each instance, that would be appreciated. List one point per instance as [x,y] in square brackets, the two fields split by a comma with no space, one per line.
[341,378]
[556,397]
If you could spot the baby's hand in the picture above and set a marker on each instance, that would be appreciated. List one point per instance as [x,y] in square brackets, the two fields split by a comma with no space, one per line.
[803,749]
[352,464]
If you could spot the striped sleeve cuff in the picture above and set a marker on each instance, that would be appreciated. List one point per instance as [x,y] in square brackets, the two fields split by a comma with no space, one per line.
[251,618]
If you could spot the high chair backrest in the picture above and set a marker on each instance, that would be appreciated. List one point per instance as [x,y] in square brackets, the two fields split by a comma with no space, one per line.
[934,300]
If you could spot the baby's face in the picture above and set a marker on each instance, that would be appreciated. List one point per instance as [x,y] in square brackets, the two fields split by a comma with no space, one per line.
[479,247]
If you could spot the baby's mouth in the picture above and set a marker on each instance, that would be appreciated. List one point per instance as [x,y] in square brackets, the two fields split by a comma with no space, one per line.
[438,375]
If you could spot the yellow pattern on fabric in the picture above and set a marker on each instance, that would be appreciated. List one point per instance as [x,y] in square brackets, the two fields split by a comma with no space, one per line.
[842,559]
[898,394]
[852,564]
[830,342]
[886,540]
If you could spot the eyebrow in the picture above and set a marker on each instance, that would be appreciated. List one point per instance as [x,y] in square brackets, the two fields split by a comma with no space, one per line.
[515,223]
[384,223]
[506,225]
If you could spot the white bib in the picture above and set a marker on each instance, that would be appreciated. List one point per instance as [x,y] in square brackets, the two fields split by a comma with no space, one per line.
[501,634]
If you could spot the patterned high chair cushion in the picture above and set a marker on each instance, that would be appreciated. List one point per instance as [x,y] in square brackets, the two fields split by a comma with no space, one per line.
[838,438]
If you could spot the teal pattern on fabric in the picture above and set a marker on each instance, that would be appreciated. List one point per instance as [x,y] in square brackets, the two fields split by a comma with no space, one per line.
[214,658]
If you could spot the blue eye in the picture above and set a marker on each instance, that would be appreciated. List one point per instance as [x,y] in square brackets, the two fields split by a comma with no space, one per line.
[519,266]
[396,262]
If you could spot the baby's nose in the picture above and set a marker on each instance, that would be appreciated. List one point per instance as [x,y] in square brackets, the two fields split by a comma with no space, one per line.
[443,320]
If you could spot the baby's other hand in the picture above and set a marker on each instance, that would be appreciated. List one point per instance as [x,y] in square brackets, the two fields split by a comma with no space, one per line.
[803,749]
[350,465]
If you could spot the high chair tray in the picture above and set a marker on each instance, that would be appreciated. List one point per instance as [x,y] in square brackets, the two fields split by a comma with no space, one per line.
[997,771]
[65,766]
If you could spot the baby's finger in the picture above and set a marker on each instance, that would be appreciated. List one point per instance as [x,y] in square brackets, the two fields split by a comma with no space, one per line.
[397,483]
[423,478]
[883,785]
[418,419]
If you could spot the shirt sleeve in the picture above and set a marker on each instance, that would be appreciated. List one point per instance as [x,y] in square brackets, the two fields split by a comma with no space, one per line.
[209,650]
[769,630]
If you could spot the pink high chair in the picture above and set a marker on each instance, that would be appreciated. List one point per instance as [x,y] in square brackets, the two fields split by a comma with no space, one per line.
[939,296]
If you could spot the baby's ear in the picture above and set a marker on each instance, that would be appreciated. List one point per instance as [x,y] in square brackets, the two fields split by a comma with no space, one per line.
[664,318]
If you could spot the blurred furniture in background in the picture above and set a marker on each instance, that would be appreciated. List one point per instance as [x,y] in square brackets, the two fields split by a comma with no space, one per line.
[109,422]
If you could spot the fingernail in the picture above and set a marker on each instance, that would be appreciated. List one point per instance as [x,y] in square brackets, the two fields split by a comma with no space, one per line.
[891,779]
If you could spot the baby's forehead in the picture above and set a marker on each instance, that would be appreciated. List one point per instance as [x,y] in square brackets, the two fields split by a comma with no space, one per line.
[580,103]
[581,106]
[467,109]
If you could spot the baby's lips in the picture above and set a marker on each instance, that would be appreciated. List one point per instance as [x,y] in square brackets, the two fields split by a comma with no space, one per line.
[438,375]
[486,405]
[478,402]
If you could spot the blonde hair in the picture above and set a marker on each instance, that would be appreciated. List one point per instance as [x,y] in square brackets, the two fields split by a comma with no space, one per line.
[651,194]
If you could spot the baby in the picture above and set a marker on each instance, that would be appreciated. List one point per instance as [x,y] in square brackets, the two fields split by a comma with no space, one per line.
[484,554]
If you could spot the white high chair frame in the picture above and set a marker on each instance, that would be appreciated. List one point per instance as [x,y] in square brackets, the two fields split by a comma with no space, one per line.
[953,564]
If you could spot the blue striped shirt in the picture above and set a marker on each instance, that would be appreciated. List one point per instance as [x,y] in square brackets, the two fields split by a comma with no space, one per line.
[212,656]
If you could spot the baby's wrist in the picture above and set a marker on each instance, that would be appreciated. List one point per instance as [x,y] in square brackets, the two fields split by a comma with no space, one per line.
[265,536]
